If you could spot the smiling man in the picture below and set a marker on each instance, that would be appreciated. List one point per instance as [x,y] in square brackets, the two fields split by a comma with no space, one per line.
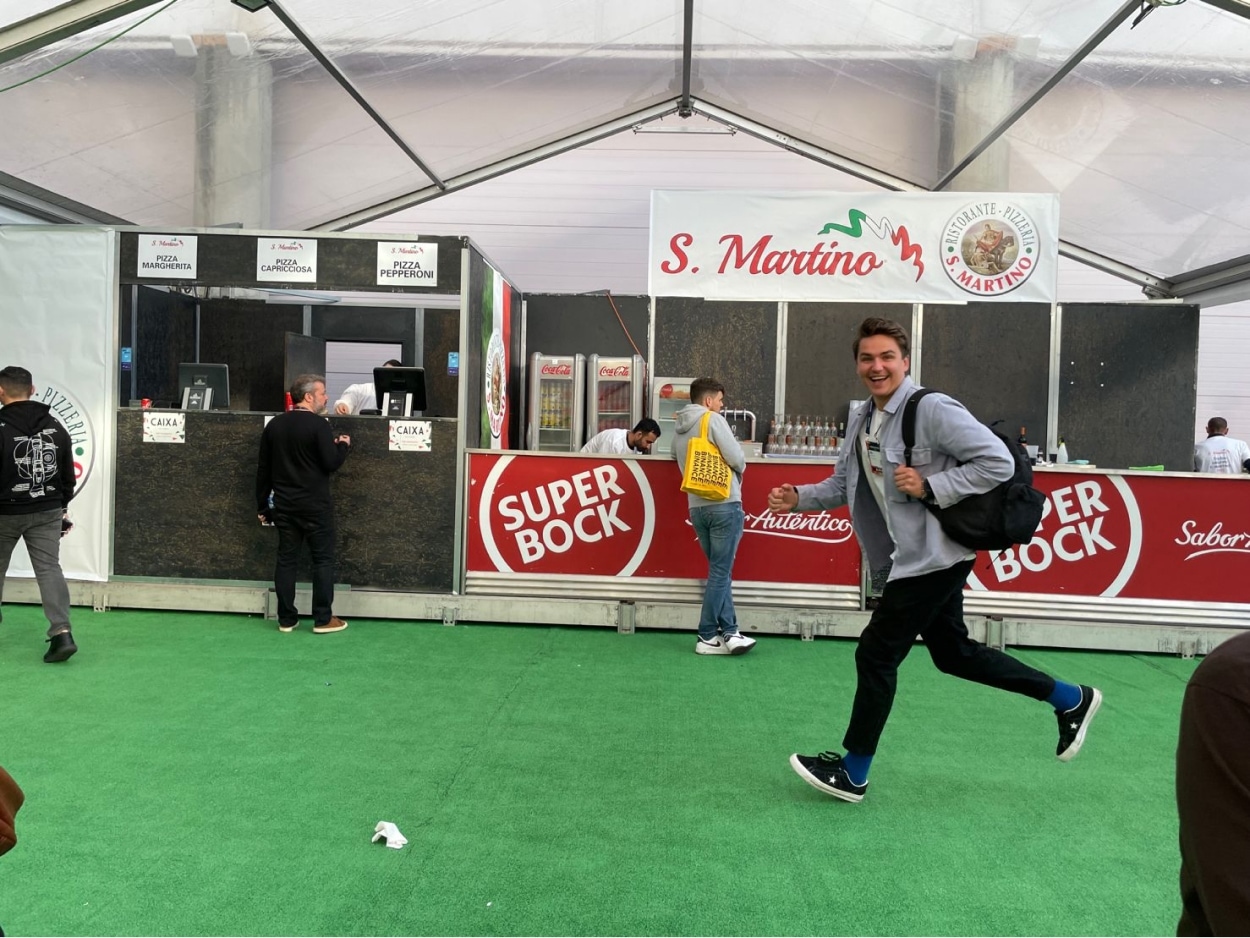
[954,457]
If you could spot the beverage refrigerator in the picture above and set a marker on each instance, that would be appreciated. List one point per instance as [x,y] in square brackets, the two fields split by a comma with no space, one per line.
[556,389]
[617,393]
[668,395]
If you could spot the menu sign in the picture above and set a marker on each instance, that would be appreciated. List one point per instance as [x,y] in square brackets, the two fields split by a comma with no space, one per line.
[286,260]
[407,263]
[168,257]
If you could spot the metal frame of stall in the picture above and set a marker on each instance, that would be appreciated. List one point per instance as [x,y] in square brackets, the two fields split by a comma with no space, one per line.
[999,620]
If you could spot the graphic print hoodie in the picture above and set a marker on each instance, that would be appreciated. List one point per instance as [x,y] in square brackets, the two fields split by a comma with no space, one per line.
[36,460]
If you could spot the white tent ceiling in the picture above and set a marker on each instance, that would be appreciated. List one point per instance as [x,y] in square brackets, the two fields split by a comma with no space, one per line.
[539,127]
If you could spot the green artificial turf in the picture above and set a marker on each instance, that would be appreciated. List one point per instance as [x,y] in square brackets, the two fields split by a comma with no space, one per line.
[205,774]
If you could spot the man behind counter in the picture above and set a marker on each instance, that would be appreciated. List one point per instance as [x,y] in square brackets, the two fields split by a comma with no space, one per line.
[358,397]
[1219,452]
[622,442]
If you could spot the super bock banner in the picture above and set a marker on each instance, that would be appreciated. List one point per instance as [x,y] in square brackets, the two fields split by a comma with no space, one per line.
[57,316]
[888,247]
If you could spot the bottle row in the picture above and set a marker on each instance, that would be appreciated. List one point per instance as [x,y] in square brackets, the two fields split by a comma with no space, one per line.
[557,405]
[804,436]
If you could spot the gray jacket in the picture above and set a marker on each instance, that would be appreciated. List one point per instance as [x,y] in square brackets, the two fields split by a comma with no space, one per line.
[687,421]
[957,455]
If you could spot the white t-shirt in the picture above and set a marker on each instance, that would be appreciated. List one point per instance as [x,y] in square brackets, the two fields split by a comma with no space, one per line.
[608,441]
[1220,453]
[875,466]
[358,397]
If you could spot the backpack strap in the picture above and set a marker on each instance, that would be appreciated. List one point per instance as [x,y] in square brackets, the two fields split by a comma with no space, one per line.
[909,422]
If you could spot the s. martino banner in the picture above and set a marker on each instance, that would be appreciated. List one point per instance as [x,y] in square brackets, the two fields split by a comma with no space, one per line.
[888,247]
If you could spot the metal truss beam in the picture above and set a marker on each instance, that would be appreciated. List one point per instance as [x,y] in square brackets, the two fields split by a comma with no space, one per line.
[346,84]
[687,60]
[1126,10]
[55,209]
[803,148]
[498,168]
[62,22]
[1236,7]
[1226,282]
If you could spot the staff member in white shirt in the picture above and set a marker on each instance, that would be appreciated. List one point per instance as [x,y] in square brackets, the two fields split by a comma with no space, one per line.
[622,442]
[1219,452]
[360,397]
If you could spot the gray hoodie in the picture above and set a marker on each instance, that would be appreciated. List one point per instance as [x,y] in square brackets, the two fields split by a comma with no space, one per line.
[687,420]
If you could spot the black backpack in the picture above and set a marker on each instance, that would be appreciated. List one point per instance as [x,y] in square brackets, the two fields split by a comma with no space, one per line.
[995,520]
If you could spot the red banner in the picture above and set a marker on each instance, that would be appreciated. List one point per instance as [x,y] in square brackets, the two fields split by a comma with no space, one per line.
[602,516]
[1139,537]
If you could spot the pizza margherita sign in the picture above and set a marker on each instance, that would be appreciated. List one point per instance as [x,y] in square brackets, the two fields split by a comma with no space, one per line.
[892,247]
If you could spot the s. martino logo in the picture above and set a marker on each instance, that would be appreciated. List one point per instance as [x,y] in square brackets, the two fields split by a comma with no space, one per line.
[989,248]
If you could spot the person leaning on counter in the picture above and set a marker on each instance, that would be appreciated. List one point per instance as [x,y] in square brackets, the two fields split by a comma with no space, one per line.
[298,454]
[364,396]
[622,442]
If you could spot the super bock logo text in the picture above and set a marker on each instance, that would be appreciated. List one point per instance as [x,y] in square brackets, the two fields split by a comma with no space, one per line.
[534,512]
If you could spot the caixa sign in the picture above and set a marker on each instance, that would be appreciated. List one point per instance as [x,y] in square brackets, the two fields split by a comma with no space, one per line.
[544,515]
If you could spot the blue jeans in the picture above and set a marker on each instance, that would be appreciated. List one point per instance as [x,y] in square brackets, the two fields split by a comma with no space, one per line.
[719,528]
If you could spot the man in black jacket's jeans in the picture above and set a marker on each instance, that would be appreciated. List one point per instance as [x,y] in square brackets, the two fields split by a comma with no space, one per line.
[37,481]
[298,452]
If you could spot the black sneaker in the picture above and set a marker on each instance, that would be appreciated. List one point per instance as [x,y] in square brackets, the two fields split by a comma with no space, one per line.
[61,647]
[828,773]
[1073,723]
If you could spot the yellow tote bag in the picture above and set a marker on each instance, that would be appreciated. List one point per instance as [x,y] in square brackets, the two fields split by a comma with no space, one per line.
[707,474]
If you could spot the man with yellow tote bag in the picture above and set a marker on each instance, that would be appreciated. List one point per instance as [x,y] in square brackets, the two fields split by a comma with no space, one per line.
[715,511]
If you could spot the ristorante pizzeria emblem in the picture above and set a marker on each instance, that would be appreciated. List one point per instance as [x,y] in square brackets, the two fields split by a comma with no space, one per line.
[989,248]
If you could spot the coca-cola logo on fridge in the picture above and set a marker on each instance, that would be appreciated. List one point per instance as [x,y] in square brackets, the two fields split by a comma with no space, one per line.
[564,370]
[614,371]
[1088,542]
[551,516]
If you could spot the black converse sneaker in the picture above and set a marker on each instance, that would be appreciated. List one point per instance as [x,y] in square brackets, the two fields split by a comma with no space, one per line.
[828,773]
[1073,723]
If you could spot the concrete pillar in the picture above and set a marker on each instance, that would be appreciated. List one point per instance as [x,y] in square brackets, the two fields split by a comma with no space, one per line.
[233,135]
[973,97]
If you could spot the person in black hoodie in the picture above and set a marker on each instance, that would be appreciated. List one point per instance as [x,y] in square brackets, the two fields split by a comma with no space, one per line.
[298,453]
[36,484]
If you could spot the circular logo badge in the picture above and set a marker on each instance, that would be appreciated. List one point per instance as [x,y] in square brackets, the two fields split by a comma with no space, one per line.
[68,410]
[989,248]
[1088,543]
[496,383]
[562,516]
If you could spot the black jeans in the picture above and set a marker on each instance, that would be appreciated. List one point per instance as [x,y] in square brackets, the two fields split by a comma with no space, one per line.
[930,606]
[293,530]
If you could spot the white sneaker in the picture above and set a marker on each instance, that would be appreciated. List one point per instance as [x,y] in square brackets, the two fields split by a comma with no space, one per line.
[737,643]
[711,646]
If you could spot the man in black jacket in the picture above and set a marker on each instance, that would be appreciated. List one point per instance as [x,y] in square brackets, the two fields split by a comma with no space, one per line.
[36,484]
[298,452]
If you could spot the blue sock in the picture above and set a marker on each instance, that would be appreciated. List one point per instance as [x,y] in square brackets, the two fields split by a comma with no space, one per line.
[1064,696]
[857,767]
